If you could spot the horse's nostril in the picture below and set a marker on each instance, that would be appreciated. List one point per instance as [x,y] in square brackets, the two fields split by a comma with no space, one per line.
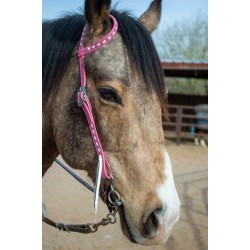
[155,221]
[151,224]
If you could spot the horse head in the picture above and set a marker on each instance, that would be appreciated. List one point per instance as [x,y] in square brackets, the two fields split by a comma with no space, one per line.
[126,88]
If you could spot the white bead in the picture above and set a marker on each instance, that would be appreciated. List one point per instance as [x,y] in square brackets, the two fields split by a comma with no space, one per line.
[98,44]
[109,37]
[88,48]
[104,41]
[93,46]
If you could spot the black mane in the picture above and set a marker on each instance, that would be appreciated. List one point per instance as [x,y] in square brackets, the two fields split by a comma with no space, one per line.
[61,36]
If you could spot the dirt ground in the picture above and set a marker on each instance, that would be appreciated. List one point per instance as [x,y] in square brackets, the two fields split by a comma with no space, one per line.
[67,201]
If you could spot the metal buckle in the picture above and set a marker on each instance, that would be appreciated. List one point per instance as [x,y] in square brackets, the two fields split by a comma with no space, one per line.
[81,92]
[62,227]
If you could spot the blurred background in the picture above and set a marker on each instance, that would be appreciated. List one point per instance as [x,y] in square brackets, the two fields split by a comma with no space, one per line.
[182,43]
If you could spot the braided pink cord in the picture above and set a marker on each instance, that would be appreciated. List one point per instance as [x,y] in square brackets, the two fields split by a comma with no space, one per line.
[86,106]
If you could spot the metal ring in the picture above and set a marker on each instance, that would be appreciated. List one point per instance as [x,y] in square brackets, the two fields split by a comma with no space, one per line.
[111,218]
[117,201]
[82,90]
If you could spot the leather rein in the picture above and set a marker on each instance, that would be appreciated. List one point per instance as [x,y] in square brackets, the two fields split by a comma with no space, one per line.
[108,194]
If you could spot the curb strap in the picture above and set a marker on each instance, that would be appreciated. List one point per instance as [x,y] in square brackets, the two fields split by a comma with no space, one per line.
[84,228]
[109,196]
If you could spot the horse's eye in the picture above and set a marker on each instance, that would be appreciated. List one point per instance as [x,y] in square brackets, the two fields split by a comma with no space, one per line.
[110,95]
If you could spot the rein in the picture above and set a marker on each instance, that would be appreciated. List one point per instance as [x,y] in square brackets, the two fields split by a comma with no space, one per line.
[109,195]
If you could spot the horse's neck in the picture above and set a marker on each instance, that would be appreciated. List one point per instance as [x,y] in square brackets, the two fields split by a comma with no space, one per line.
[49,148]
[63,124]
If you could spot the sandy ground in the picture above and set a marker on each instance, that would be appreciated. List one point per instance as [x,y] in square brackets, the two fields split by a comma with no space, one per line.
[69,202]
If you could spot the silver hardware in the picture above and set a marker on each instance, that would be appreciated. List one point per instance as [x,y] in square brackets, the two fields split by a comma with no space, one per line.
[114,197]
[82,90]
[62,227]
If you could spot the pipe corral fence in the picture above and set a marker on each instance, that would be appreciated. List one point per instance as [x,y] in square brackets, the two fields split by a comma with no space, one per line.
[186,121]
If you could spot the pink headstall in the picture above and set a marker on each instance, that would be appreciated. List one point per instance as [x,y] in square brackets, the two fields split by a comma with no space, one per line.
[83,100]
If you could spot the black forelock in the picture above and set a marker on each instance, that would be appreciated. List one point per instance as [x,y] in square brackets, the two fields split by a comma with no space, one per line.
[59,38]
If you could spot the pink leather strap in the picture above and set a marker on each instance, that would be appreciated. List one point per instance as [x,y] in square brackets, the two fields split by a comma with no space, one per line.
[82,98]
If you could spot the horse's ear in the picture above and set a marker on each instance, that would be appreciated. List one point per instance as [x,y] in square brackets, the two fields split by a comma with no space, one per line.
[151,17]
[97,16]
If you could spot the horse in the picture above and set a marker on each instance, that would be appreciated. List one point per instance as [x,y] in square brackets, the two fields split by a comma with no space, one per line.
[125,86]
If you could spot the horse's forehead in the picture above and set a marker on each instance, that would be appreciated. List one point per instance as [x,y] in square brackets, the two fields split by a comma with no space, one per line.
[111,59]
[112,63]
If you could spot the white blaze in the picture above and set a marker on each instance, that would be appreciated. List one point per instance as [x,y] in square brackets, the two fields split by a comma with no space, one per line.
[171,208]
[169,197]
